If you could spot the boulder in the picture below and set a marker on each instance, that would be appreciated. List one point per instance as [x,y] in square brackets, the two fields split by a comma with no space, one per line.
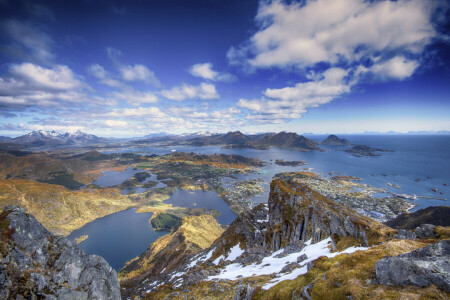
[422,267]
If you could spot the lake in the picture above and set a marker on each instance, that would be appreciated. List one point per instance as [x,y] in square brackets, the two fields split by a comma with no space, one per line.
[118,237]
[202,199]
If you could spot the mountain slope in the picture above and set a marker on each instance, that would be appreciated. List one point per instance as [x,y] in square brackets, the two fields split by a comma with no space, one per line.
[435,215]
[333,140]
[59,209]
[193,235]
[270,243]
[288,140]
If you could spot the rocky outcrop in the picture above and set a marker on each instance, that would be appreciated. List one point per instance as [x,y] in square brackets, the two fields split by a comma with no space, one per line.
[423,231]
[36,264]
[422,267]
[298,214]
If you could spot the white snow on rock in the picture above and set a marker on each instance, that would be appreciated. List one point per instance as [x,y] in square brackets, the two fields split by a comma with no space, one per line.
[201,258]
[235,252]
[271,264]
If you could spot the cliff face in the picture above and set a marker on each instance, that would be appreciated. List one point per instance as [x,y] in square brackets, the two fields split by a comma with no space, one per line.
[297,214]
[35,263]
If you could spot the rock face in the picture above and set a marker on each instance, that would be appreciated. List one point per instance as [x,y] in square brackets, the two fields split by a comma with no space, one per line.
[36,264]
[422,267]
[297,214]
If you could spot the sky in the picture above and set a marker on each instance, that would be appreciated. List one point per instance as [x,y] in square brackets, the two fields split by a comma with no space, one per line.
[132,68]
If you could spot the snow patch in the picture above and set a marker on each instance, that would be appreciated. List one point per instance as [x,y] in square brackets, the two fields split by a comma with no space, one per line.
[271,264]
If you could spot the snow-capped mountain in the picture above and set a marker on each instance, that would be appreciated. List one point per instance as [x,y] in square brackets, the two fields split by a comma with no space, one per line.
[41,138]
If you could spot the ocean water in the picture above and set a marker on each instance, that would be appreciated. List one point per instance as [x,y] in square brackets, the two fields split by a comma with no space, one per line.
[425,158]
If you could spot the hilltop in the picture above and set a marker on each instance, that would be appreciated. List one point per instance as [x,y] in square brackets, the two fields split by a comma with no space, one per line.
[333,140]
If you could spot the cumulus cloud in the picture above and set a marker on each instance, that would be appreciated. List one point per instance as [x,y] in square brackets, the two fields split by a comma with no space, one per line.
[396,68]
[59,77]
[203,91]
[292,102]
[139,73]
[31,85]
[352,38]
[205,71]
[329,31]
[27,41]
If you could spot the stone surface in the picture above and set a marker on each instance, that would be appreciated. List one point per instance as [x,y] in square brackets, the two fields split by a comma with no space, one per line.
[422,267]
[36,262]
[405,234]
[244,292]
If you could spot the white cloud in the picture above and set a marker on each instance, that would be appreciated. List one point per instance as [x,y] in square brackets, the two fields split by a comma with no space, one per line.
[139,73]
[343,34]
[116,123]
[203,91]
[27,41]
[292,102]
[152,112]
[97,71]
[136,97]
[329,31]
[59,77]
[397,68]
[205,71]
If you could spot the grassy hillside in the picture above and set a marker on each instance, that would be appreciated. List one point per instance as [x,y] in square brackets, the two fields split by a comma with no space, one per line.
[59,209]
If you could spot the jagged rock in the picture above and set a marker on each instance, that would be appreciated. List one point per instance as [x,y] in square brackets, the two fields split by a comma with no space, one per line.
[422,267]
[298,214]
[306,291]
[36,262]
[244,292]
[302,258]
[405,234]
[289,267]
[426,231]
[289,250]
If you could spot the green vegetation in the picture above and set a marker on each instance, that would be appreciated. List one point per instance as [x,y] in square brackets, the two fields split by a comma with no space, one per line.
[165,221]
[62,178]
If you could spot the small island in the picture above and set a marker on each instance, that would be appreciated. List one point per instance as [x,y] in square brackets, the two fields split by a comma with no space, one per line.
[81,238]
[333,140]
[363,150]
[294,163]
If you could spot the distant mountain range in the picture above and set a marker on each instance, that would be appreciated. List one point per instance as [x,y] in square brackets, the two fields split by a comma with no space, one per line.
[43,138]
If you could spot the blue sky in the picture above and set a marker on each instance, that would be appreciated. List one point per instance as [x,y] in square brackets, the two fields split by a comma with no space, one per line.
[130,68]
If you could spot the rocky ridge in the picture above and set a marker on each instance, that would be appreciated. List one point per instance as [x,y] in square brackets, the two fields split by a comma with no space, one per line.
[35,264]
